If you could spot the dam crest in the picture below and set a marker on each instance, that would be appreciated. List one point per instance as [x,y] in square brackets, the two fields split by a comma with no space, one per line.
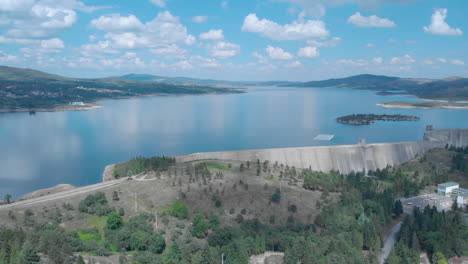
[344,158]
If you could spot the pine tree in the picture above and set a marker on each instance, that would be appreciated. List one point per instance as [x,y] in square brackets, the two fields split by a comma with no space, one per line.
[29,254]
[80,260]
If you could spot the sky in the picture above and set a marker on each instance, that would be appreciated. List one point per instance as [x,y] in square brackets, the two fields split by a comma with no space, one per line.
[296,40]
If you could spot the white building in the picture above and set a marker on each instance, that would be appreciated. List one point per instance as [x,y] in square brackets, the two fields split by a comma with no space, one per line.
[447,188]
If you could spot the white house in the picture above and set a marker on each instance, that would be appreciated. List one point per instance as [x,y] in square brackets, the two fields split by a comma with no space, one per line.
[447,188]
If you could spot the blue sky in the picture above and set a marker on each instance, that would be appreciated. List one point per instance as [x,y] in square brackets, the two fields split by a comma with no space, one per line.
[237,39]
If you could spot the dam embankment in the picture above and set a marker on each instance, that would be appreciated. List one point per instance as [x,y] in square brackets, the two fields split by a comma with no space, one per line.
[345,158]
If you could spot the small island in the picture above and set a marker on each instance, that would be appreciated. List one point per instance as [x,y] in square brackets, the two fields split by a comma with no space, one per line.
[367,119]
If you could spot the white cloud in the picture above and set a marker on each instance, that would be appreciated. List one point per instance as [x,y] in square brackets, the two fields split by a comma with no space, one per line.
[377,60]
[223,50]
[5,57]
[317,8]
[328,43]
[392,40]
[428,62]
[370,45]
[298,30]
[438,25]
[261,59]
[214,34]
[182,65]
[442,60]
[406,59]
[54,43]
[170,51]
[308,52]
[163,30]
[457,62]
[200,19]
[115,22]
[160,3]
[372,21]
[26,21]
[294,64]
[276,53]
[15,5]
[224,4]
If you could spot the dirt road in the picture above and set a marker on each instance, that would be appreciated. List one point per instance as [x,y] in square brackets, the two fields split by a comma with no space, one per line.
[62,195]
[390,240]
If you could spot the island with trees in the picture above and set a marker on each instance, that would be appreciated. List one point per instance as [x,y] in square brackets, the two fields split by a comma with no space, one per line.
[367,119]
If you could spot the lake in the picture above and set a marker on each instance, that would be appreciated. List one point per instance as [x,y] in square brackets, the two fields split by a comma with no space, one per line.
[46,149]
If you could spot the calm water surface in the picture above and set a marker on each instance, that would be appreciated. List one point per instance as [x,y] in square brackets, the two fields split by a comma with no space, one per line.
[47,149]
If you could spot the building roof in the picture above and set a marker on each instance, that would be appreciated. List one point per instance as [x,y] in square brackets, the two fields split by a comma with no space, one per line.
[448,184]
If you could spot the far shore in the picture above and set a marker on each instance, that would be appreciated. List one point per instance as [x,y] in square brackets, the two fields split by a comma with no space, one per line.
[85,107]
[422,105]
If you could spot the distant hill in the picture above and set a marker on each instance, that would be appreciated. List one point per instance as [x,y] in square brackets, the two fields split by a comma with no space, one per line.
[27,89]
[453,88]
[195,81]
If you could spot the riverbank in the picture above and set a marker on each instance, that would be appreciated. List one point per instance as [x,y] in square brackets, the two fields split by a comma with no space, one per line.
[422,105]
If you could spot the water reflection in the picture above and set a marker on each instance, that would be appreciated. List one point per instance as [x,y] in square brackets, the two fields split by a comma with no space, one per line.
[46,149]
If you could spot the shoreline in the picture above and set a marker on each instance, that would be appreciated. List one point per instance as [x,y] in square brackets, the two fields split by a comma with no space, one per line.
[407,105]
[92,105]
[86,107]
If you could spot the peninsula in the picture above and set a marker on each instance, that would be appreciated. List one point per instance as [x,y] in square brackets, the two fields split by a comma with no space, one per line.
[367,119]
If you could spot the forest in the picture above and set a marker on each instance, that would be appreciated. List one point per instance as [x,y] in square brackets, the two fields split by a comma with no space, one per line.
[349,230]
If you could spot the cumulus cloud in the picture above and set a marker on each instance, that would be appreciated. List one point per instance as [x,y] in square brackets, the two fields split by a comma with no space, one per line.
[371,21]
[438,25]
[298,30]
[170,51]
[27,21]
[223,50]
[370,45]
[5,57]
[406,59]
[214,34]
[115,22]
[333,42]
[200,19]
[294,64]
[317,8]
[377,60]
[224,4]
[457,62]
[54,43]
[308,52]
[129,33]
[160,3]
[276,53]
[442,60]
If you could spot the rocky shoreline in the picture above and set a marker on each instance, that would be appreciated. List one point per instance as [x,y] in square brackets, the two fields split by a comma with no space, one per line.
[423,105]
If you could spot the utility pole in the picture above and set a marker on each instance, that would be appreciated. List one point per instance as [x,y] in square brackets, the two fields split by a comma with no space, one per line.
[156,216]
[222,258]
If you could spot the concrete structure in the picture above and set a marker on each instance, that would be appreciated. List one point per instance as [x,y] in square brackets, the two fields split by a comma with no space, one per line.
[442,203]
[461,195]
[345,158]
[447,188]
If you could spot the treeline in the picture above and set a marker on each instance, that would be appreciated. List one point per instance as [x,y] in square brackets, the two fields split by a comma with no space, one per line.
[442,235]
[141,164]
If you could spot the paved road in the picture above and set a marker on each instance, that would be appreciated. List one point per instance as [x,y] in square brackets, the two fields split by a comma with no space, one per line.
[389,242]
[62,195]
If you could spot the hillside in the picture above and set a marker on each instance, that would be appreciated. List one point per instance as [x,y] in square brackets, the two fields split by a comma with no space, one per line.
[194,212]
[455,88]
[26,89]
[195,81]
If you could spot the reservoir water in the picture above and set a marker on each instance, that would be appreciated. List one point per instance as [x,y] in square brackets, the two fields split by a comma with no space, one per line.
[46,149]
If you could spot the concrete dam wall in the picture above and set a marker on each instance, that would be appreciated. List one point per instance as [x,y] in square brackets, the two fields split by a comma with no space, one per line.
[345,158]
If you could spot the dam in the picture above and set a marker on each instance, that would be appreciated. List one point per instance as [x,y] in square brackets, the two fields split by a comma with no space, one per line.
[344,158]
